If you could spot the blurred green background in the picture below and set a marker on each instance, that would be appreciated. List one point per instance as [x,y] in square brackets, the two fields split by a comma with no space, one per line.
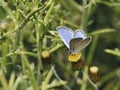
[30,45]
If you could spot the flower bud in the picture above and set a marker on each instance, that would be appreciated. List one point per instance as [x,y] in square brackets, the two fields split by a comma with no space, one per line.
[46,58]
[94,73]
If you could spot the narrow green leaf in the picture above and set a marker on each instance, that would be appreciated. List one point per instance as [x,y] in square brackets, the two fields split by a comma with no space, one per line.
[113,52]
[101,31]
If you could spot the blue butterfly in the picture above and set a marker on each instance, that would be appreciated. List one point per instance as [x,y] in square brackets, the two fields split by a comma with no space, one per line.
[74,41]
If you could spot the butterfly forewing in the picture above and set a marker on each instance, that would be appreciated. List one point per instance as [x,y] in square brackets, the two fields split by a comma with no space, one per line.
[65,34]
[79,34]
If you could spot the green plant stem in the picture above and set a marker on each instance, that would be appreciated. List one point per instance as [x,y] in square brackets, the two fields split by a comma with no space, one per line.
[16,83]
[11,80]
[49,11]
[108,77]
[84,15]
[88,61]
[47,80]
[68,3]
[113,52]
[62,82]
[92,50]
[74,5]
[55,48]
[117,85]
[3,80]
[39,35]
[69,23]
[95,87]
[30,72]
[83,26]
[24,22]
[20,53]
[102,31]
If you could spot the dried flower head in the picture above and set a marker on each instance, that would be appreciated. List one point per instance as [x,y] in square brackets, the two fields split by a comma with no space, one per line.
[46,56]
[94,73]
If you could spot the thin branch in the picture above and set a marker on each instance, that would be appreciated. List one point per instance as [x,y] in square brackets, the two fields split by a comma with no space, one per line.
[56,75]
[24,22]
[95,87]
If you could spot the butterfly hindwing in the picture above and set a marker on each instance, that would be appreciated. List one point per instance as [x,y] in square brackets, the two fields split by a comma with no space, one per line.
[82,44]
[73,43]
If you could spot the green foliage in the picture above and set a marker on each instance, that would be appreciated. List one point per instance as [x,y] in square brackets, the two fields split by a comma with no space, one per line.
[28,28]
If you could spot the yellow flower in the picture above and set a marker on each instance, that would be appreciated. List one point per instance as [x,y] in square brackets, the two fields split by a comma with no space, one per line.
[74,57]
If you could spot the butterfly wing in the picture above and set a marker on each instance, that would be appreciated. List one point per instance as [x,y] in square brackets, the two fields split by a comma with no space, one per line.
[79,34]
[79,45]
[65,34]
[73,43]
